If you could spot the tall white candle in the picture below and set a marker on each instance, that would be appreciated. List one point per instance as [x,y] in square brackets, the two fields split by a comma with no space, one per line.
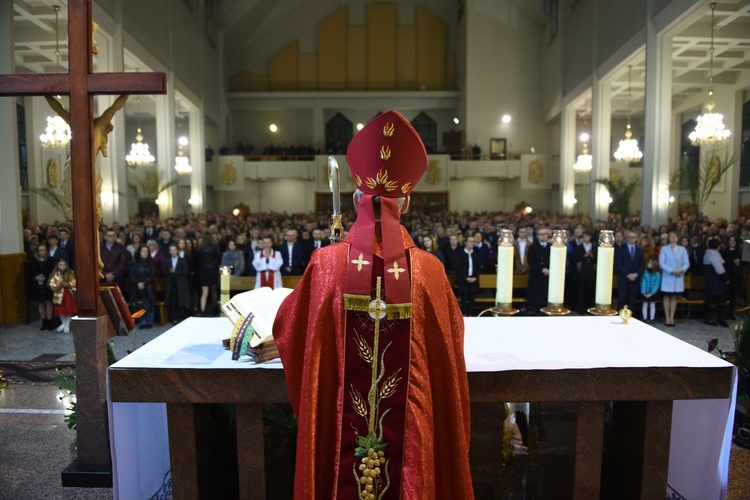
[605,259]
[504,294]
[224,277]
[556,291]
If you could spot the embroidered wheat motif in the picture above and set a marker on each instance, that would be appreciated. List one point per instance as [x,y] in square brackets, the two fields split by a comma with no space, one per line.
[390,384]
[358,402]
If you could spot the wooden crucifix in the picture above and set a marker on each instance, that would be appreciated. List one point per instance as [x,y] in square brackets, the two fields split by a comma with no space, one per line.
[90,339]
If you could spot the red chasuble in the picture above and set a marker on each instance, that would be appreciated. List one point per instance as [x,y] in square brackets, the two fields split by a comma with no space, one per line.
[381,403]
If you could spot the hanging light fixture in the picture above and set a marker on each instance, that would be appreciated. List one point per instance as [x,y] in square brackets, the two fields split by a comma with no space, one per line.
[57,133]
[139,155]
[584,163]
[182,162]
[709,128]
[628,150]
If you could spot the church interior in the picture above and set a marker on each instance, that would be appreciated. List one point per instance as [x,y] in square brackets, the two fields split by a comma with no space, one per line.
[528,111]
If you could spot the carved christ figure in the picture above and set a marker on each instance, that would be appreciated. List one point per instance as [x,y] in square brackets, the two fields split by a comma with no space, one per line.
[102,128]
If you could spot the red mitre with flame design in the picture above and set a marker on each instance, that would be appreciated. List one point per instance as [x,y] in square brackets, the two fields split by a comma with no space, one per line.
[387,159]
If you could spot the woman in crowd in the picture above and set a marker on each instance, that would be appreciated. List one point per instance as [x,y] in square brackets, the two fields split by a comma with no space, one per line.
[62,282]
[646,242]
[234,259]
[208,272]
[584,260]
[650,286]
[142,274]
[156,256]
[674,263]
[40,268]
[135,245]
[717,279]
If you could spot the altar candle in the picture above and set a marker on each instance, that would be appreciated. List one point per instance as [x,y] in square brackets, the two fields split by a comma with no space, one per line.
[557,255]
[504,287]
[224,273]
[605,258]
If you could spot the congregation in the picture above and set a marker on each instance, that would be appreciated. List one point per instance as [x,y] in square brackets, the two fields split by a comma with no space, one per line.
[187,250]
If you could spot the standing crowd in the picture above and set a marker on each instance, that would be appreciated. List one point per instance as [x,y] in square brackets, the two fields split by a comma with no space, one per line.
[184,254]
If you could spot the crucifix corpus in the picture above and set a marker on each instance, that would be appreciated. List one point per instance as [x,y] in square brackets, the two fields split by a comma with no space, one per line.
[92,329]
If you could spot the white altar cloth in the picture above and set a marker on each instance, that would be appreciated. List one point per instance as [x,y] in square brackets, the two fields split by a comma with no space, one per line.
[701,429]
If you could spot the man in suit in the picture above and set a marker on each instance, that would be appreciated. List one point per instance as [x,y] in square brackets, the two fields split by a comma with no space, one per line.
[312,244]
[115,260]
[54,251]
[468,267]
[536,295]
[629,266]
[291,253]
[67,245]
[149,231]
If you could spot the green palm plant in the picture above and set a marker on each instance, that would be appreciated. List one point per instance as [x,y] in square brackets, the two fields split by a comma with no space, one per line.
[700,181]
[51,196]
[621,192]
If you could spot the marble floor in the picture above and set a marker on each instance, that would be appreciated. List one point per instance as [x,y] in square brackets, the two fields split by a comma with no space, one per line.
[36,444]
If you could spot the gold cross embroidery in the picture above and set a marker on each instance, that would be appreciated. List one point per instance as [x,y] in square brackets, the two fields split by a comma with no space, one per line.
[396,270]
[360,262]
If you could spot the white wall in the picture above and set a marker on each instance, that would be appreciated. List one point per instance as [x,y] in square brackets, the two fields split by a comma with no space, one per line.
[504,76]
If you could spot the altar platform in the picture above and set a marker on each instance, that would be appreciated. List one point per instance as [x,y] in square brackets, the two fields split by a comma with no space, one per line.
[687,396]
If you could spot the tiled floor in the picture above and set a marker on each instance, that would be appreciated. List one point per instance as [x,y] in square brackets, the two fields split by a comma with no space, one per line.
[36,444]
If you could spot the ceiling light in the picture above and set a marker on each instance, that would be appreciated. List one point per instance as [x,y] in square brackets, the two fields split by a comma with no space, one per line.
[360,126]
[628,150]
[139,154]
[709,128]
[505,119]
[57,134]
[456,120]
[273,128]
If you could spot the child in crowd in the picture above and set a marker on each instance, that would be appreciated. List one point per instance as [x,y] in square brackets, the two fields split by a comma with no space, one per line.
[62,282]
[650,286]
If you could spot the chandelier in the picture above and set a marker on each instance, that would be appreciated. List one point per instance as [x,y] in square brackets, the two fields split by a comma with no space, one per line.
[182,162]
[57,133]
[139,155]
[709,128]
[584,162]
[628,150]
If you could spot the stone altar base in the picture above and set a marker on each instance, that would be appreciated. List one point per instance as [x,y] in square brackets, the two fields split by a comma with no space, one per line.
[93,468]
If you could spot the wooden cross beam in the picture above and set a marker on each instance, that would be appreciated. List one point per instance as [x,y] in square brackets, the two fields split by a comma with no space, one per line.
[81,84]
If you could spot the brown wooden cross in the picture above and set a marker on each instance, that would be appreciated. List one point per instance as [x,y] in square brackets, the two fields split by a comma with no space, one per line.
[81,84]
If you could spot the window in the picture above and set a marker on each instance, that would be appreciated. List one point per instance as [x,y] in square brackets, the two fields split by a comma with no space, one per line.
[426,127]
[551,8]
[22,159]
[339,131]
[688,152]
[745,147]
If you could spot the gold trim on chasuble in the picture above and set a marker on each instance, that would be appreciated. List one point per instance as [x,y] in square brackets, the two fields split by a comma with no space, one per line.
[371,473]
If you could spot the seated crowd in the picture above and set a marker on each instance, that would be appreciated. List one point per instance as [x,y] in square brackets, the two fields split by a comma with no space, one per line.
[186,251]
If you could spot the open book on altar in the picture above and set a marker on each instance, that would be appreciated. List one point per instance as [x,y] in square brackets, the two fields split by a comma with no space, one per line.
[252,313]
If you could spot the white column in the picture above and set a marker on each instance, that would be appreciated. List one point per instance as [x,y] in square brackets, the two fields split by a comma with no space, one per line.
[658,127]
[166,150]
[10,187]
[601,120]
[567,159]
[198,161]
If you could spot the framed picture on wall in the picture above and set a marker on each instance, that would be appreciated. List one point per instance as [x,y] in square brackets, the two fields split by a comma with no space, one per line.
[498,149]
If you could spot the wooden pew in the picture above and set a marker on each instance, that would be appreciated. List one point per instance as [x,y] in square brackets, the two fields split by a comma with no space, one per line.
[239,284]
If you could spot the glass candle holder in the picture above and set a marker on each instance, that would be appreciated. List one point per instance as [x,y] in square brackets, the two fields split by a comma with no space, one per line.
[506,238]
[559,237]
[606,238]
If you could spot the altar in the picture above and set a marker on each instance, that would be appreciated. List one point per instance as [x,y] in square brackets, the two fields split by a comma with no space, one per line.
[688,394]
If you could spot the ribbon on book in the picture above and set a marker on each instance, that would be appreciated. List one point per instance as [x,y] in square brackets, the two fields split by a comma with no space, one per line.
[239,348]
